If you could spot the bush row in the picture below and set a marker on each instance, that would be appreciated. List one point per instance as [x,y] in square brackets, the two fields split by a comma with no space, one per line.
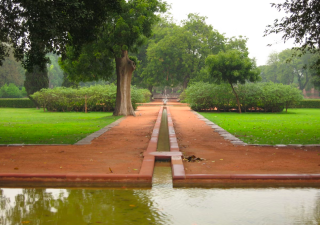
[16,103]
[267,97]
[99,98]
[309,103]
[12,91]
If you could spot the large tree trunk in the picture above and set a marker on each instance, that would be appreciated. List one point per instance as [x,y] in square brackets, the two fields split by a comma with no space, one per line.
[150,87]
[185,82]
[124,69]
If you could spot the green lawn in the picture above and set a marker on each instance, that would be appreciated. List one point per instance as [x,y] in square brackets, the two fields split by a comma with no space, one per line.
[298,126]
[32,126]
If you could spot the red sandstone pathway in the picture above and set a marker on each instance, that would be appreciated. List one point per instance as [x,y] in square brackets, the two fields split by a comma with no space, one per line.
[222,157]
[120,149]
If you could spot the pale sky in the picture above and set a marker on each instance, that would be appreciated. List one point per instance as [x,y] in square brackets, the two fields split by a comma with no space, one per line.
[237,17]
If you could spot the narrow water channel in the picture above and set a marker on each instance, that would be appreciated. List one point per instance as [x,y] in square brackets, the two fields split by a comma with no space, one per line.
[163,139]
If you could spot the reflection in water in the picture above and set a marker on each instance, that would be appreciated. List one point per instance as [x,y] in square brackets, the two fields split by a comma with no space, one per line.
[160,205]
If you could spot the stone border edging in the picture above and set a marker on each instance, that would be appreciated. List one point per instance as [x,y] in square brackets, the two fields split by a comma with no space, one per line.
[20,145]
[144,178]
[87,140]
[236,141]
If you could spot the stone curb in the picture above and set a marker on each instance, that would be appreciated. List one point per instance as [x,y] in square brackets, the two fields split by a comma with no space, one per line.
[236,141]
[87,140]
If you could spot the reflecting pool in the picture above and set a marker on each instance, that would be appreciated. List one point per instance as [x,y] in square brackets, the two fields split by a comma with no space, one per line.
[161,204]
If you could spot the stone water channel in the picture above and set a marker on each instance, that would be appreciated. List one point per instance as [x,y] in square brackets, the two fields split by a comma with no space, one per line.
[161,204]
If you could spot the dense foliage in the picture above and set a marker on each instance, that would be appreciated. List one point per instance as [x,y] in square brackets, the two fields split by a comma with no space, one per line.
[16,103]
[301,23]
[11,71]
[35,81]
[12,91]
[267,97]
[122,32]
[34,28]
[99,98]
[309,103]
[285,68]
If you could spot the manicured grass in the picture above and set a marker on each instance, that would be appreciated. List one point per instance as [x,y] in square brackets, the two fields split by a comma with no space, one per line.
[32,126]
[298,126]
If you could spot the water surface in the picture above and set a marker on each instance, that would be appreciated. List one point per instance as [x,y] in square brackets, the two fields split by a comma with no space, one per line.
[161,204]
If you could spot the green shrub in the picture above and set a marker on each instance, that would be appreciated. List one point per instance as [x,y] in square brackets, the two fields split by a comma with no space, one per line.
[99,98]
[309,103]
[16,103]
[267,97]
[11,91]
[183,97]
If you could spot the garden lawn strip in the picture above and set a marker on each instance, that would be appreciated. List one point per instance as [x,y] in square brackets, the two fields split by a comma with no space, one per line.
[298,126]
[118,150]
[197,138]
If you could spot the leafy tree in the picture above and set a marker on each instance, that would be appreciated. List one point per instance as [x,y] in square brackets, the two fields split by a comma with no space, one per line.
[35,28]
[35,81]
[232,66]
[69,83]
[283,68]
[180,55]
[11,71]
[55,74]
[301,24]
[121,32]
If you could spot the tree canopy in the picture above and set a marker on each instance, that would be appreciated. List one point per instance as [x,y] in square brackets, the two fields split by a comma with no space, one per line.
[121,32]
[232,66]
[35,28]
[300,24]
[287,69]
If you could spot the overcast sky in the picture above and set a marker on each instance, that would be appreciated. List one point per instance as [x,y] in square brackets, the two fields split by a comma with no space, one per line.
[237,17]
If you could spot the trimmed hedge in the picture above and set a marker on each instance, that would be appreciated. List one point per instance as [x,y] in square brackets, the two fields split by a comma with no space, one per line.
[99,98]
[16,103]
[264,97]
[309,103]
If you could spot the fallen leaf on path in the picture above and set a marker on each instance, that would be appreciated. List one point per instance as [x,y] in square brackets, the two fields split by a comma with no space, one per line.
[221,159]
[135,169]
[16,168]
[110,170]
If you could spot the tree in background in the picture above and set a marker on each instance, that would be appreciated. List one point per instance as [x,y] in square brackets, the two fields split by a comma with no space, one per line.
[35,81]
[55,73]
[69,83]
[11,71]
[301,24]
[287,69]
[121,32]
[232,66]
[35,28]
[179,55]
